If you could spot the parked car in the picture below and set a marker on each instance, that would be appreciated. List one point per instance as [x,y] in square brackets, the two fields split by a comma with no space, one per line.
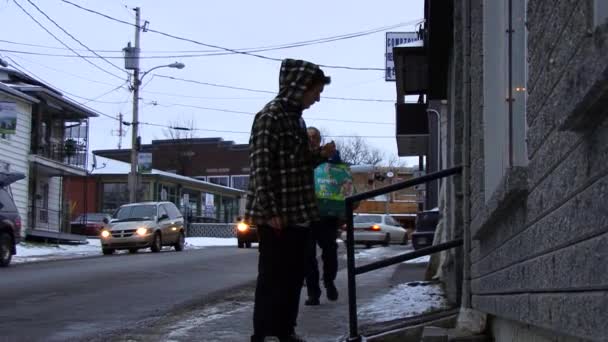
[372,229]
[144,225]
[246,234]
[89,224]
[426,223]
[10,221]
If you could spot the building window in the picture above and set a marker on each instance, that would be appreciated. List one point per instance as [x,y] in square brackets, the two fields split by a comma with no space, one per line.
[168,193]
[219,180]
[504,89]
[407,195]
[240,182]
[600,12]
[114,195]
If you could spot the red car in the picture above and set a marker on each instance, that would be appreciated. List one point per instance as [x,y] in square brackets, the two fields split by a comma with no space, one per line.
[89,224]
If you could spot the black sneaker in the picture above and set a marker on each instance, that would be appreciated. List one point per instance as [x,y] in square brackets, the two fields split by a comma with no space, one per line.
[312,301]
[332,292]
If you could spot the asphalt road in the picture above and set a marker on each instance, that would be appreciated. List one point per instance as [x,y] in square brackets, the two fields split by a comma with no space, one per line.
[86,299]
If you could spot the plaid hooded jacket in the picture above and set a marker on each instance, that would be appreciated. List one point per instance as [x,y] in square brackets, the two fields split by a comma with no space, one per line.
[281,181]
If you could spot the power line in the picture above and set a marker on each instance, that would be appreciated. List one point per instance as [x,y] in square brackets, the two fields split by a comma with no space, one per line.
[253,114]
[209,53]
[214,52]
[143,91]
[60,41]
[62,71]
[20,68]
[234,51]
[265,91]
[246,132]
[95,99]
[74,38]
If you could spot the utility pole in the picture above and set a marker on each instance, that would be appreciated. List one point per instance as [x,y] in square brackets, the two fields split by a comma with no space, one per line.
[134,176]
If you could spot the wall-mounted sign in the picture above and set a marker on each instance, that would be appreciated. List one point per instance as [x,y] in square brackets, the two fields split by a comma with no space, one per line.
[395,39]
[8,117]
[144,162]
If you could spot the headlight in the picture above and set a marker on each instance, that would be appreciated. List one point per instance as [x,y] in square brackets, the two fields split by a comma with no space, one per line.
[242,227]
[105,234]
[142,231]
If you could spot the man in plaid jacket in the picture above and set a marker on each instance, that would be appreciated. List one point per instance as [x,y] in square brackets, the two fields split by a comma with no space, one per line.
[281,197]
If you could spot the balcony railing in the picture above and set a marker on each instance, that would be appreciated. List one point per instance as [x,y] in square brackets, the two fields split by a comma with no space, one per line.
[73,154]
[49,220]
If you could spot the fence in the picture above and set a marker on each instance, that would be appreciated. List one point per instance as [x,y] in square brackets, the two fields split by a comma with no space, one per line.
[218,230]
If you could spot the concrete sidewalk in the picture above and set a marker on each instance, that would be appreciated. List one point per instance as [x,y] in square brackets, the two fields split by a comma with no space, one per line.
[382,296]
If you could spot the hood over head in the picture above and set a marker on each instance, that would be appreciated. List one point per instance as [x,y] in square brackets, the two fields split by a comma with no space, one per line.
[296,77]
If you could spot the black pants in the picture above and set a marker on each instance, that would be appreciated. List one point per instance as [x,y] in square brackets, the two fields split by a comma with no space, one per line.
[281,272]
[323,233]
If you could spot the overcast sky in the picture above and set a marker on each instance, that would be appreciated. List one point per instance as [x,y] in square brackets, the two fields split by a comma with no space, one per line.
[232,24]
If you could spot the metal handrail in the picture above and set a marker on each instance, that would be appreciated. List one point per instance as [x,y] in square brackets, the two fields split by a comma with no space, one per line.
[353,271]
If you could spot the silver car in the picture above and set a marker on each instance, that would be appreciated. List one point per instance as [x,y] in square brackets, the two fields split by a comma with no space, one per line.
[144,225]
[373,229]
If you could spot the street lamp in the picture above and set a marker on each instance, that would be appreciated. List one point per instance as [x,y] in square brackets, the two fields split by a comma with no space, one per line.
[137,81]
[176,65]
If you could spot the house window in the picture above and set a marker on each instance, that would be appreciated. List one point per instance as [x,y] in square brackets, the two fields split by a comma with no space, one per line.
[600,12]
[240,182]
[219,180]
[504,89]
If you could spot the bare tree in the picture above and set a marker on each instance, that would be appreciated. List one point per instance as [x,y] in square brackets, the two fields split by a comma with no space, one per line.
[181,138]
[357,151]
[395,162]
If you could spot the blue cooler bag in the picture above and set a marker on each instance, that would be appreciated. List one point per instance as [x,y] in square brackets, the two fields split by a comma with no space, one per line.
[333,182]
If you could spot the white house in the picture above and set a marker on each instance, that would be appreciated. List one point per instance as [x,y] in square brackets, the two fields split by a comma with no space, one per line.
[15,148]
[50,142]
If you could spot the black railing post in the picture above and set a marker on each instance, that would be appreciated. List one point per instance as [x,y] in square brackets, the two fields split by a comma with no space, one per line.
[350,263]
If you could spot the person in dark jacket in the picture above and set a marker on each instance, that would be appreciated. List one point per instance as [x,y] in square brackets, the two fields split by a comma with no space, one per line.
[280,199]
[324,233]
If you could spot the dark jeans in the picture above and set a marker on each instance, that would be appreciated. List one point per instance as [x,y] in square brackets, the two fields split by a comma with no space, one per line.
[281,271]
[323,233]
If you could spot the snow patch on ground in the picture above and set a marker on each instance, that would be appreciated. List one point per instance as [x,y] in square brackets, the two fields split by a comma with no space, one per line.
[198,242]
[404,301]
[222,311]
[378,253]
[30,252]
[422,260]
